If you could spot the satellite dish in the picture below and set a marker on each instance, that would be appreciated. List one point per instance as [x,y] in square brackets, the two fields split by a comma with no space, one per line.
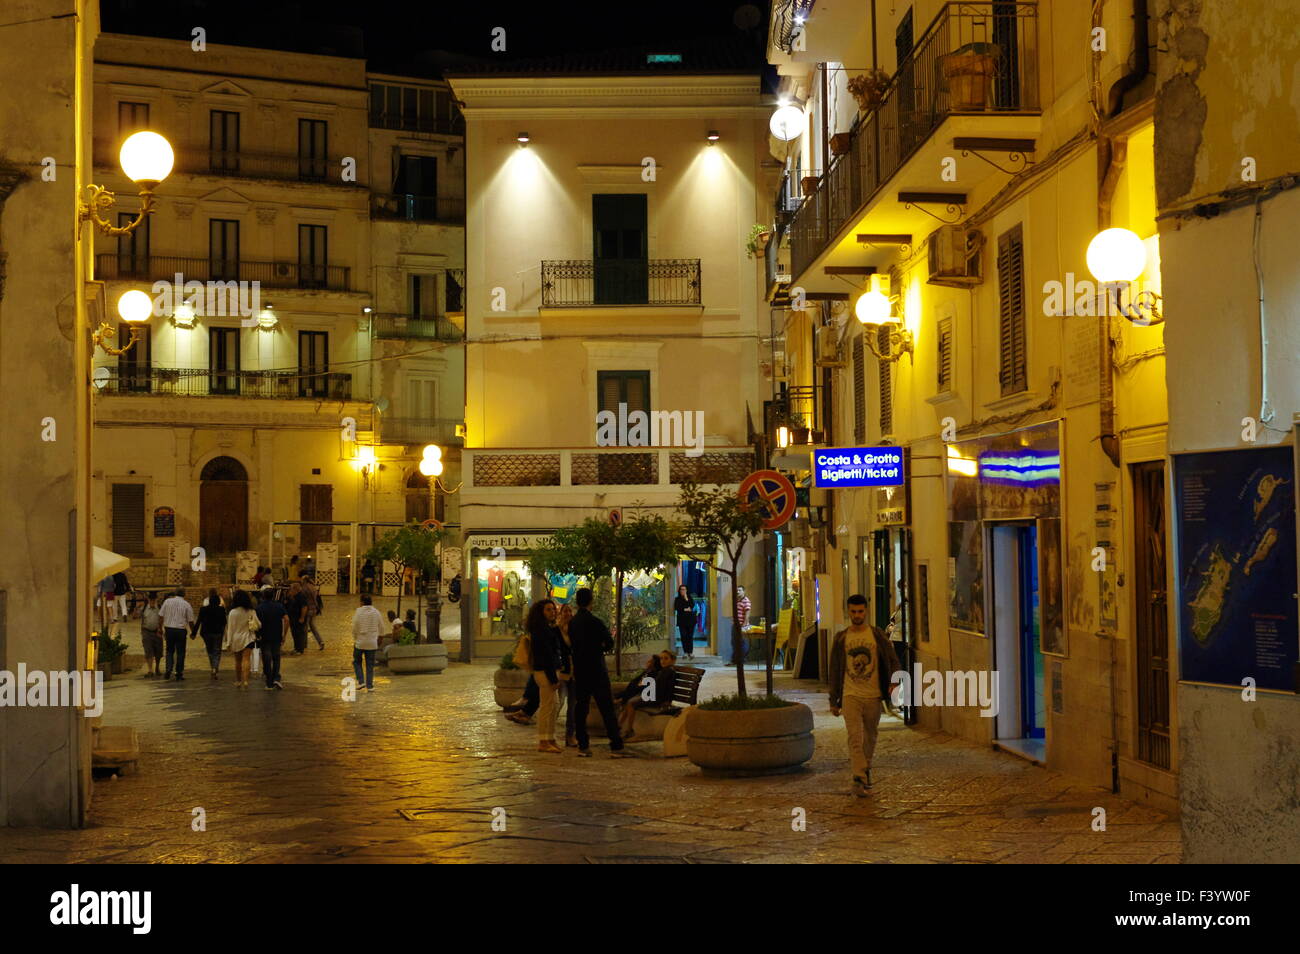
[747,17]
[100,377]
[381,405]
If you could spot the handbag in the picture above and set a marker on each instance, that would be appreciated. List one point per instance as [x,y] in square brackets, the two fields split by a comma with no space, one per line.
[257,660]
[523,657]
[254,624]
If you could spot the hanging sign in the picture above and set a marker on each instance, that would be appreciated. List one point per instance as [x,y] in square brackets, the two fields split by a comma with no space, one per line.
[773,491]
[835,467]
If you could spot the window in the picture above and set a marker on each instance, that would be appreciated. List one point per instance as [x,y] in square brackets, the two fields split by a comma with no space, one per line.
[313,256]
[223,249]
[1012,372]
[416,184]
[128,518]
[131,118]
[223,141]
[133,367]
[422,402]
[133,248]
[943,357]
[424,296]
[623,387]
[313,135]
[453,294]
[420,109]
[313,364]
[886,383]
[223,360]
[859,392]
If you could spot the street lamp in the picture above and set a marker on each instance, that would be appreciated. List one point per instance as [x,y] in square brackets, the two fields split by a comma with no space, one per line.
[147,160]
[873,309]
[134,307]
[1116,257]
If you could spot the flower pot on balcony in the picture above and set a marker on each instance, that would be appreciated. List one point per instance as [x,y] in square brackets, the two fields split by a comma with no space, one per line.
[868,89]
[968,74]
[840,143]
[799,436]
[809,184]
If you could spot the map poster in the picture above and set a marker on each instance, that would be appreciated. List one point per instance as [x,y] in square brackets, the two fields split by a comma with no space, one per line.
[1237,567]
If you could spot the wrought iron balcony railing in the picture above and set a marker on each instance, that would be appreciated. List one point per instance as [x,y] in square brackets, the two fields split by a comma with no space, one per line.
[417,208]
[137,379]
[656,281]
[975,58]
[109,267]
[434,328]
[245,164]
[420,430]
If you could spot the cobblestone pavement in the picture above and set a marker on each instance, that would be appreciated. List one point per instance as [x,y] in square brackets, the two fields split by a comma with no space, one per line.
[414,772]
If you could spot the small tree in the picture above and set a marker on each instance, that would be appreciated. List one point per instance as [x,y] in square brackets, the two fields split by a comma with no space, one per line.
[413,546]
[719,520]
[597,548]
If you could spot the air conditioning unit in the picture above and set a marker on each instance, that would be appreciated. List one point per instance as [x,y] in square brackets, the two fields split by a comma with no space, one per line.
[828,347]
[283,269]
[955,256]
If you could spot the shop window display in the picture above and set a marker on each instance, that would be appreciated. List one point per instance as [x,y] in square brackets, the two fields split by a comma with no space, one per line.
[503,587]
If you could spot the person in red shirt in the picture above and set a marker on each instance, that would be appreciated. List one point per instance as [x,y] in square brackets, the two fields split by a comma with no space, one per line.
[743,607]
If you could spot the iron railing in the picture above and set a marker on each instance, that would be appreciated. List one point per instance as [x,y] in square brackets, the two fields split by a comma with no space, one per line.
[787,19]
[417,208]
[434,328]
[245,164]
[420,430]
[945,74]
[656,281]
[110,266]
[134,379]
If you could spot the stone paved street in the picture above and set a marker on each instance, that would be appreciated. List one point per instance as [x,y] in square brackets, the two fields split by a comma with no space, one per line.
[414,771]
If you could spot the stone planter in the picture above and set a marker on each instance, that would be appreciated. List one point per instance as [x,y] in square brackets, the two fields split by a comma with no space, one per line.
[595,724]
[508,685]
[419,657]
[749,741]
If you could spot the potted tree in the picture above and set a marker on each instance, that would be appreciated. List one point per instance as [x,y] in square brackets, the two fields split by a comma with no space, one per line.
[798,428]
[968,75]
[759,236]
[738,734]
[112,653]
[869,88]
[412,546]
[509,680]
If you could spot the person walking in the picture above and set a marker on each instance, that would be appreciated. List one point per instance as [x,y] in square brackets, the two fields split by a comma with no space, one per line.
[177,618]
[367,625]
[151,636]
[562,618]
[107,603]
[240,634]
[684,607]
[297,609]
[211,625]
[545,663]
[314,606]
[862,664]
[368,577]
[273,626]
[121,593]
[590,640]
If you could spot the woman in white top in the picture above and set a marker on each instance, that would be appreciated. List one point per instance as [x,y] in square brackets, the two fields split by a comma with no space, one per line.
[241,632]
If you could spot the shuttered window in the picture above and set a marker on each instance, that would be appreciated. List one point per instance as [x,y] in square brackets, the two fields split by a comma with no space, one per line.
[859,392]
[943,360]
[1012,359]
[886,383]
[128,518]
[623,387]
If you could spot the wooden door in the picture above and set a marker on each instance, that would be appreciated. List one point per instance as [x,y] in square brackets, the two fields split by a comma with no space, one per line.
[316,502]
[1150,598]
[223,516]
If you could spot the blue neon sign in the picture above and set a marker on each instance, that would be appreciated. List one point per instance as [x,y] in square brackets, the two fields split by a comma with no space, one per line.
[1021,468]
[835,467]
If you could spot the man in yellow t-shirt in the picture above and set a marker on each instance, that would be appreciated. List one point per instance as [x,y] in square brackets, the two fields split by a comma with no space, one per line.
[862,662]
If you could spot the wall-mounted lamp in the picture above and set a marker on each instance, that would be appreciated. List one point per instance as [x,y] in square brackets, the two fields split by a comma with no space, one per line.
[873,309]
[1116,257]
[366,310]
[713,136]
[134,307]
[522,139]
[783,436]
[266,319]
[183,315]
[147,160]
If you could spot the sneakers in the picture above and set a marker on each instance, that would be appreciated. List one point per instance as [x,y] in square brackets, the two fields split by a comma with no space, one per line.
[620,754]
[549,747]
[278,684]
[584,753]
[518,718]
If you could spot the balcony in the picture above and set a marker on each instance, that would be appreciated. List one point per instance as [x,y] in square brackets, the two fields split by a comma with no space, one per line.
[402,207]
[895,145]
[658,281]
[398,327]
[134,380]
[245,164]
[150,268]
[408,122]
[644,468]
[420,430]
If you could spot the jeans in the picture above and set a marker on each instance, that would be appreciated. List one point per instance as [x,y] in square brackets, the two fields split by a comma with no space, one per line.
[585,688]
[175,650]
[369,656]
[564,692]
[299,631]
[687,632]
[546,710]
[862,720]
[213,642]
[311,624]
[532,698]
[271,659]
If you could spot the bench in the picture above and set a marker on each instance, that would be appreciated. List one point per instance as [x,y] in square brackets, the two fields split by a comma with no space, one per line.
[652,721]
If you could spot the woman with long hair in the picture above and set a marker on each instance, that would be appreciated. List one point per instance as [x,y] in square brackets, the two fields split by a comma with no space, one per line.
[239,636]
[684,607]
[211,624]
[562,619]
[544,641]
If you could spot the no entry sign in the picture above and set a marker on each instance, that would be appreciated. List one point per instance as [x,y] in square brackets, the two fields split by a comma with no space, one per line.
[773,491]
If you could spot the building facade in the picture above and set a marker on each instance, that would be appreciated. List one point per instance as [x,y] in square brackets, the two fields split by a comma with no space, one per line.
[288,418]
[947,168]
[604,273]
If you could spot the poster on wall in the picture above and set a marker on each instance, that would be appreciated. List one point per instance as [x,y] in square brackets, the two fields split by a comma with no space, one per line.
[1236,523]
[966,576]
[1051,633]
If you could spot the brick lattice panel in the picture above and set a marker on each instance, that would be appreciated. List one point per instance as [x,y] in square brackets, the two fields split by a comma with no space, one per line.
[517,470]
[590,469]
[710,468]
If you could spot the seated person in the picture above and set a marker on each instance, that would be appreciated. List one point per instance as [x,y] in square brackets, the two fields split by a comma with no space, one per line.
[392,636]
[664,676]
[410,624]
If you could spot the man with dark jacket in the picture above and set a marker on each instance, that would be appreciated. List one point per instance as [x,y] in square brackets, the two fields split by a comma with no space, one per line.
[590,641]
[862,663]
[274,622]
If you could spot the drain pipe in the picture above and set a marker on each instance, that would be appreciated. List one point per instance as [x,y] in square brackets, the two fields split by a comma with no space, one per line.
[1141,59]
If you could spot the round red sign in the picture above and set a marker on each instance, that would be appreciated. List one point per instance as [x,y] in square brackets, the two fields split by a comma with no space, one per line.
[773,492]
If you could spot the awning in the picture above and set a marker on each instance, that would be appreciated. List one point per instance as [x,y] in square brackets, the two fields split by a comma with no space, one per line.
[107,563]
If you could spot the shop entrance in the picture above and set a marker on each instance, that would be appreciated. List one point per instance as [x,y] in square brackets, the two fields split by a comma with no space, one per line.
[695,576]
[1022,714]
[891,568]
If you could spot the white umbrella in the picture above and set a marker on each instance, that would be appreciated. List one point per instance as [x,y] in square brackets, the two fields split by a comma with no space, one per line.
[107,563]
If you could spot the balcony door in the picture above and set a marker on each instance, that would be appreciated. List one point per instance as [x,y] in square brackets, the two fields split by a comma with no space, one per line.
[416,186]
[313,256]
[313,364]
[223,249]
[135,365]
[619,249]
[133,248]
[223,360]
[313,142]
[223,141]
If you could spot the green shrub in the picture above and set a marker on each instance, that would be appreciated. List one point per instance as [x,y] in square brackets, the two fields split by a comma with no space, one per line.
[736,702]
[508,661]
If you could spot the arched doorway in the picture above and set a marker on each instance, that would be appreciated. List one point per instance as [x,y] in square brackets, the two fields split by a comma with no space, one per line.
[223,506]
